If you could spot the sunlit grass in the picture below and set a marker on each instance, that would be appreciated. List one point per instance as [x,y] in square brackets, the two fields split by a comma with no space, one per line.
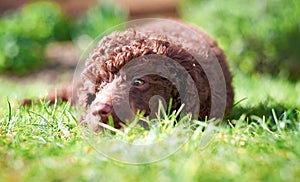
[258,143]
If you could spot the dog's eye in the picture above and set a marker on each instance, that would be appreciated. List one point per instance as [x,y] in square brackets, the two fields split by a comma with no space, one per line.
[138,82]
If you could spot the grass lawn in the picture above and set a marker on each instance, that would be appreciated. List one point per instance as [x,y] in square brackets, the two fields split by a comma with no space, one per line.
[260,143]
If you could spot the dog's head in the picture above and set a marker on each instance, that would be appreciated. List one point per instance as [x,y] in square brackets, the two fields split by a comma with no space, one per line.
[138,75]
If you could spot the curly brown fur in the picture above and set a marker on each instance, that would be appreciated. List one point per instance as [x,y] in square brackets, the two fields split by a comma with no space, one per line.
[119,48]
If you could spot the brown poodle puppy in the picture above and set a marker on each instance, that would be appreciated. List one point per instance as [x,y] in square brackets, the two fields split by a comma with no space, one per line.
[155,49]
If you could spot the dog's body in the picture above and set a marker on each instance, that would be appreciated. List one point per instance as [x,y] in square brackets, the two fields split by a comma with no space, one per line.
[105,83]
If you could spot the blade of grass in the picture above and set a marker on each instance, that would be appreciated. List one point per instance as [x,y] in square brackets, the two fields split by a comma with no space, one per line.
[276,121]
[9,110]
[111,128]
[170,106]
[46,121]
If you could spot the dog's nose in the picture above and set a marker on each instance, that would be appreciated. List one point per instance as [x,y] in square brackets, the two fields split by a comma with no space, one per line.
[102,110]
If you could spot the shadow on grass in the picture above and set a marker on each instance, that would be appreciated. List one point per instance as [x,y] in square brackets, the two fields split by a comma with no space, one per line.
[271,115]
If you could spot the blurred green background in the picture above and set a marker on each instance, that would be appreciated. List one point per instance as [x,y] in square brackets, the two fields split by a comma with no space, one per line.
[258,37]
[26,32]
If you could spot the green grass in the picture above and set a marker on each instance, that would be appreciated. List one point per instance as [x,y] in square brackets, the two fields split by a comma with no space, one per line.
[260,143]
